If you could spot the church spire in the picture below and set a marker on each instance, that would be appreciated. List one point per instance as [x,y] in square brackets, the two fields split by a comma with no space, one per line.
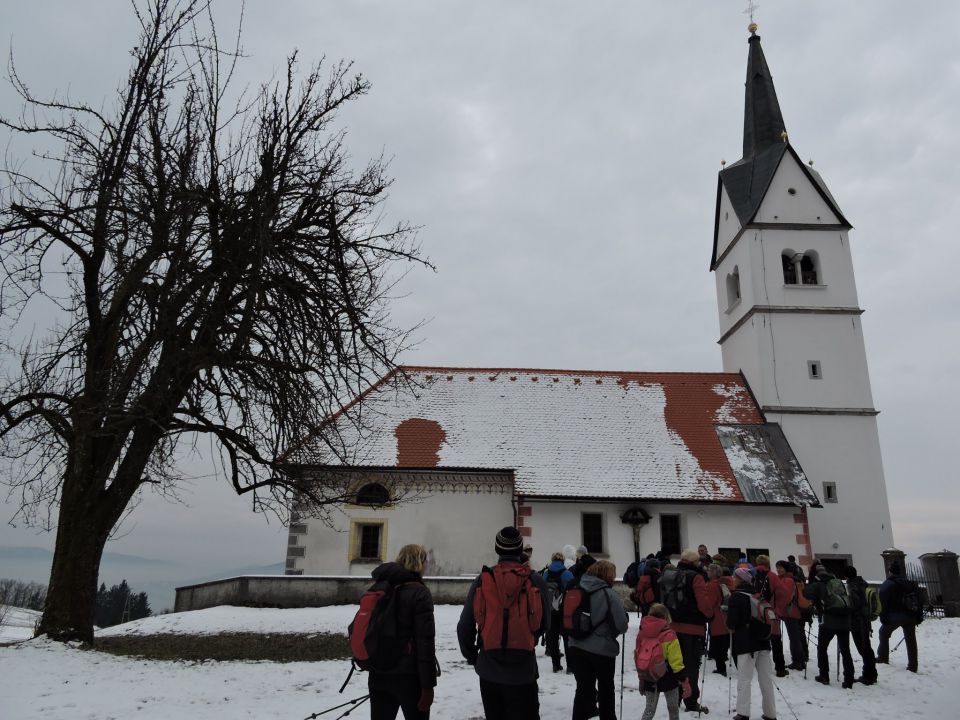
[762,120]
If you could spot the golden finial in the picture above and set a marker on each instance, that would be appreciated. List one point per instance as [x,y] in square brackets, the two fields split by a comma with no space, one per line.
[752,27]
[783,136]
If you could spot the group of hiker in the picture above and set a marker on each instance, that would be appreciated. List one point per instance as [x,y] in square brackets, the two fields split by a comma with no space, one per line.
[701,607]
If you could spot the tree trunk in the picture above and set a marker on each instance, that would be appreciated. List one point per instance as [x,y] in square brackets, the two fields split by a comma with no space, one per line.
[82,532]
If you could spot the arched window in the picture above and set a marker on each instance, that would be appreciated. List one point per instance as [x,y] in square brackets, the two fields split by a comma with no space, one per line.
[809,269]
[789,268]
[373,494]
[733,287]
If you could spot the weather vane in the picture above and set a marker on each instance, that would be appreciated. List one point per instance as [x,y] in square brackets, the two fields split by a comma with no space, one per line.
[751,9]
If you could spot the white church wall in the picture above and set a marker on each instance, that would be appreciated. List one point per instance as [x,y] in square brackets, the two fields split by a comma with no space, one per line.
[457,528]
[556,524]
[804,205]
[728,224]
[835,286]
[844,450]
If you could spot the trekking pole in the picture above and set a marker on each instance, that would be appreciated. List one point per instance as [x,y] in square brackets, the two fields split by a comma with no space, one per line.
[356,702]
[623,660]
[838,658]
[899,643]
[807,653]
[703,681]
[789,706]
[729,691]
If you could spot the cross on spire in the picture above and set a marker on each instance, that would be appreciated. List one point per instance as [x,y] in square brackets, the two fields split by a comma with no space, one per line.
[751,10]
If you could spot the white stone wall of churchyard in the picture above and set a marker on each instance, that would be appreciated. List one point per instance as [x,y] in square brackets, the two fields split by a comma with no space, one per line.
[844,450]
[456,527]
[555,524]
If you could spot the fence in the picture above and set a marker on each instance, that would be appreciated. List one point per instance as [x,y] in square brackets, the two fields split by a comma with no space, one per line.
[931,592]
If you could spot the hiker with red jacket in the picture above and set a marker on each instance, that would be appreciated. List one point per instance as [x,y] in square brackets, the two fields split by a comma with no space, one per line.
[751,648]
[720,587]
[787,606]
[593,656]
[407,686]
[660,663]
[683,589]
[506,611]
[647,591]
[769,586]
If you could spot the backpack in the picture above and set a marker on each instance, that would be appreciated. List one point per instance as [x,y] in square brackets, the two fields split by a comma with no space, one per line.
[676,592]
[762,615]
[907,598]
[874,607]
[375,641]
[724,598]
[507,608]
[577,621]
[836,600]
[552,578]
[649,658]
[803,602]
[631,576]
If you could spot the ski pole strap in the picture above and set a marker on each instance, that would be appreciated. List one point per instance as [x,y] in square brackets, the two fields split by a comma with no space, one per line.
[353,666]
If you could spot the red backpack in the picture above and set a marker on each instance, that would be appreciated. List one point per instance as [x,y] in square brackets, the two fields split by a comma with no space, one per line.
[507,608]
[375,641]
[578,622]
[649,658]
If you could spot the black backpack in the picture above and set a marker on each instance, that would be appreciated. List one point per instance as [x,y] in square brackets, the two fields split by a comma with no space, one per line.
[676,592]
[907,598]
[554,578]
[633,572]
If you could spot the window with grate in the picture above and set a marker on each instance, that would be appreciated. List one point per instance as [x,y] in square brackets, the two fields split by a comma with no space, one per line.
[670,534]
[369,542]
[592,524]
[373,494]
[789,270]
[753,552]
[731,555]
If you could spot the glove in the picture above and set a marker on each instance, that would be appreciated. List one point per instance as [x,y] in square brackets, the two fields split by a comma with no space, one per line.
[426,699]
[685,689]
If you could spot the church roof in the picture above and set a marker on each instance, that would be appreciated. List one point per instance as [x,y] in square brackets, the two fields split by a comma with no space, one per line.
[764,147]
[574,434]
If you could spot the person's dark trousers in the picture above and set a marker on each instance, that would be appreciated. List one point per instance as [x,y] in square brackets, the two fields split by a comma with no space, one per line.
[552,639]
[910,639]
[776,645]
[798,641]
[392,693]
[596,686]
[823,657]
[691,648]
[860,634]
[720,651]
[509,702]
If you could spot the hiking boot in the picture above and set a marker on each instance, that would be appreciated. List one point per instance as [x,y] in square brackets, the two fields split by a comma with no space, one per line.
[782,673]
[720,671]
[764,717]
[699,709]
[822,679]
[558,668]
[738,716]
[847,685]
[866,680]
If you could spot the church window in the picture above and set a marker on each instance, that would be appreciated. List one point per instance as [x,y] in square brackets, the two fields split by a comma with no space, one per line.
[753,552]
[373,494]
[733,287]
[367,541]
[808,270]
[731,555]
[814,369]
[592,524]
[830,492]
[670,534]
[789,269]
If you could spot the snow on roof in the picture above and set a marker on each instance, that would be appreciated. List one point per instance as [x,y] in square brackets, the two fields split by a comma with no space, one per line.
[565,433]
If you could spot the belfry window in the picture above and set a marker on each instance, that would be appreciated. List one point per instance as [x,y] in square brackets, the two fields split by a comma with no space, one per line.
[808,271]
[733,287]
[789,269]
[800,268]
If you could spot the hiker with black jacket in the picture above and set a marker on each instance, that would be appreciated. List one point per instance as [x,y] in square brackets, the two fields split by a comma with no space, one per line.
[860,624]
[900,608]
[507,609]
[683,589]
[408,686]
[829,596]
[751,648]
[557,578]
[593,658]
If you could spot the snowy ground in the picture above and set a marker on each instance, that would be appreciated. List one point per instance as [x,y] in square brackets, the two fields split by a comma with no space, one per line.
[41,679]
[18,623]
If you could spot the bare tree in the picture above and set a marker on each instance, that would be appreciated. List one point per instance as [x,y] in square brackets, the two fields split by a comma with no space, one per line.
[217,269]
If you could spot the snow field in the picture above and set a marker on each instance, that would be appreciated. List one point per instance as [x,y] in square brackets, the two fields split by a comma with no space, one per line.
[43,679]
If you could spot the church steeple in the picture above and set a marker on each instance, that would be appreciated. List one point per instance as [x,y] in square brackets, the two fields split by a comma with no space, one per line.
[762,120]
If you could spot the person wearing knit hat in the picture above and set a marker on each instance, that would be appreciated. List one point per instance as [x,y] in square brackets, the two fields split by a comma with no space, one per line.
[689,618]
[504,655]
[751,649]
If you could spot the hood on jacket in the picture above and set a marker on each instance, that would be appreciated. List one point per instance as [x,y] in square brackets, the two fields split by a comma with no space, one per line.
[394,573]
[652,626]
[557,566]
[592,582]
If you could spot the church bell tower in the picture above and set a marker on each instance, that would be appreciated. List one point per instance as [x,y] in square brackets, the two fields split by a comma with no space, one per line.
[790,321]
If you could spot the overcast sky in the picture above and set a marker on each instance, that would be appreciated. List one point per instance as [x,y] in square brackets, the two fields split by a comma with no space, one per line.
[561,158]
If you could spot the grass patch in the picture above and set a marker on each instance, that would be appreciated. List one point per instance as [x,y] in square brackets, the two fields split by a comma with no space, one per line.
[277,647]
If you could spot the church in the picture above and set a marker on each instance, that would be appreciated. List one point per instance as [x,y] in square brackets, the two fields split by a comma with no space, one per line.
[777,454]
